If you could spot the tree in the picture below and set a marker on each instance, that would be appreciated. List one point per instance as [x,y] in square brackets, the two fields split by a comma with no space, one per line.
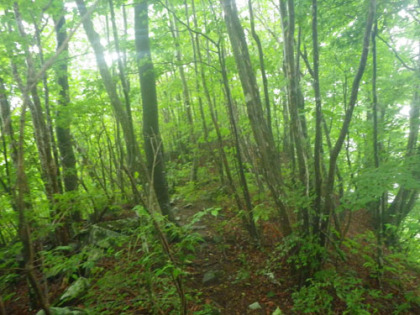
[309,147]
[329,183]
[261,131]
[42,134]
[152,141]
[123,118]
[63,121]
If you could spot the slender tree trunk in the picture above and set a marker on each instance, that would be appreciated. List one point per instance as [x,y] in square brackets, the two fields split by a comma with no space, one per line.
[186,95]
[42,135]
[49,122]
[152,141]
[262,67]
[270,163]
[329,186]
[244,184]
[215,122]
[123,51]
[294,99]
[133,153]
[405,199]
[24,206]
[196,47]
[379,204]
[121,68]
[65,145]
[21,196]
[178,54]
[7,135]
[318,119]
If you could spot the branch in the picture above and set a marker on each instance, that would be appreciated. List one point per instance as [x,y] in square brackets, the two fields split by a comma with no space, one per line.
[187,26]
[396,54]
[53,59]
[304,56]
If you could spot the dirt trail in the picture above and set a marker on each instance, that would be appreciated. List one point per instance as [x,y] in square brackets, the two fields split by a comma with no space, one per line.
[229,274]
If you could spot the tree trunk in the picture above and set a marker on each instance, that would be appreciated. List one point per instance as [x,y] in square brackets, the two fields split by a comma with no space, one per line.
[196,48]
[222,153]
[329,186]
[262,67]
[152,141]
[20,196]
[42,134]
[49,123]
[250,223]
[294,98]
[121,68]
[63,119]
[378,206]
[318,120]
[7,134]
[405,199]
[185,95]
[133,153]
[269,157]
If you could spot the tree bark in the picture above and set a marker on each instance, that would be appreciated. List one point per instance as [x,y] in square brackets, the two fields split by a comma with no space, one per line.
[152,140]
[222,153]
[329,186]
[262,67]
[121,68]
[133,153]
[294,98]
[42,134]
[318,119]
[63,119]
[196,48]
[405,199]
[7,134]
[378,205]
[21,195]
[250,223]
[49,123]
[269,157]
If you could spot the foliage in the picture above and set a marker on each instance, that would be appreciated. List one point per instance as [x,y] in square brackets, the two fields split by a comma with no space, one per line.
[151,287]
[61,197]
[410,240]
[300,252]
[318,295]
[9,268]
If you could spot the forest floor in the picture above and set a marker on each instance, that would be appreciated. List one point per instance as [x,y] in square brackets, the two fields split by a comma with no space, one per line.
[228,274]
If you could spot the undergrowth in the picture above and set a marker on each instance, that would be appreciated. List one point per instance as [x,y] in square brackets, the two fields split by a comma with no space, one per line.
[349,281]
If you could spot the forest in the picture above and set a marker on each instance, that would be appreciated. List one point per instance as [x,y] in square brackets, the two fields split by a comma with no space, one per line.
[209,157]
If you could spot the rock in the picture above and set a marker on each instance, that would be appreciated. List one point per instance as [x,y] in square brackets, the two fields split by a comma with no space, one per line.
[121,226]
[270,275]
[255,306]
[75,290]
[94,254]
[277,312]
[102,237]
[211,277]
[64,311]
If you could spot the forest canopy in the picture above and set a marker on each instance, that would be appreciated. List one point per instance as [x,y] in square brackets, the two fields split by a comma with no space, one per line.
[209,157]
